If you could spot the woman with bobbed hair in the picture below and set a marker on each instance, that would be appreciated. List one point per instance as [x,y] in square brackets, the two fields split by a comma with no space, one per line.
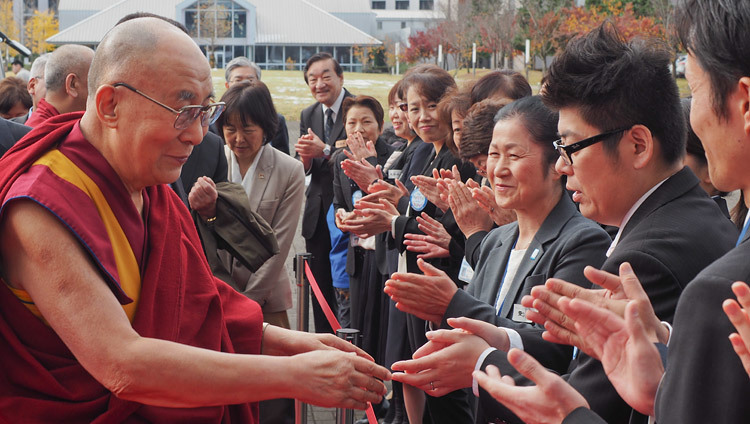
[275,185]
[15,100]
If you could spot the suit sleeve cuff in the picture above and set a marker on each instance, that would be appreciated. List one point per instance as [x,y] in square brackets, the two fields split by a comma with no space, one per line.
[477,367]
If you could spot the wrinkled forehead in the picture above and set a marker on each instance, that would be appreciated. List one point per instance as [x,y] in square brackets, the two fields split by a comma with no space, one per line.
[242,72]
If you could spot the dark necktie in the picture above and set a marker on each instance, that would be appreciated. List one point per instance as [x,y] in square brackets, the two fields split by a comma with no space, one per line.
[329,126]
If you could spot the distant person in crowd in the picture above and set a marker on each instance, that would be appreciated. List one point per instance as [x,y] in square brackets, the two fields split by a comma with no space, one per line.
[36,86]
[15,101]
[242,69]
[695,159]
[21,72]
[363,121]
[321,133]
[66,78]
[632,126]
[499,84]
[550,239]
[110,281]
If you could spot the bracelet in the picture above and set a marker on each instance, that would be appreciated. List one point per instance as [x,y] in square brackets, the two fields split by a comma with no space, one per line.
[262,336]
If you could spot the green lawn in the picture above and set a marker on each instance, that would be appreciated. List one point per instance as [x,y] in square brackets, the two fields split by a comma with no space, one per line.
[291,95]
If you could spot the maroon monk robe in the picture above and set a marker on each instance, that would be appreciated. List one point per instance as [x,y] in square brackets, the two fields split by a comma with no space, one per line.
[180,300]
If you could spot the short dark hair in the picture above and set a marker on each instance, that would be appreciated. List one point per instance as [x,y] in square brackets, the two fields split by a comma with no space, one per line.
[614,83]
[454,100]
[13,91]
[476,134]
[364,101]
[501,83]
[539,120]
[252,102]
[17,62]
[317,57]
[394,92]
[430,81]
[714,32]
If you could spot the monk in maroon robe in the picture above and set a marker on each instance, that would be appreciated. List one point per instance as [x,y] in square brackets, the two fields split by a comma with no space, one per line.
[108,309]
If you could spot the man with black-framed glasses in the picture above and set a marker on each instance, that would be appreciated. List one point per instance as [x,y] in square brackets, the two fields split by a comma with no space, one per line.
[622,139]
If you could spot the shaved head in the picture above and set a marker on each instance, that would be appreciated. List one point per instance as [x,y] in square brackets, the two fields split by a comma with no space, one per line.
[67,59]
[133,45]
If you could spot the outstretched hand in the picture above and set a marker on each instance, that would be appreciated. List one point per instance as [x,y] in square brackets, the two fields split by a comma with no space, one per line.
[551,400]
[624,346]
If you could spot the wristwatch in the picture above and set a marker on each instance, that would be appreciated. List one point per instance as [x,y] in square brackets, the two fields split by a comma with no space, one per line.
[327,150]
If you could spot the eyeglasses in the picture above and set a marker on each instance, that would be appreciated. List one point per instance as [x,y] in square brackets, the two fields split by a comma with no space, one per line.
[566,152]
[186,114]
[403,106]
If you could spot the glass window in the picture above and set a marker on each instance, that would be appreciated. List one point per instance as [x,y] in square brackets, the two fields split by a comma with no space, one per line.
[343,54]
[307,52]
[403,24]
[380,24]
[378,5]
[223,23]
[402,4]
[293,53]
[260,54]
[327,49]
[426,4]
[239,51]
[240,24]
[275,54]
[191,22]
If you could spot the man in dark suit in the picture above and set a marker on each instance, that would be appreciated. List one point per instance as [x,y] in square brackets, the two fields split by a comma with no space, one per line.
[242,69]
[321,126]
[10,132]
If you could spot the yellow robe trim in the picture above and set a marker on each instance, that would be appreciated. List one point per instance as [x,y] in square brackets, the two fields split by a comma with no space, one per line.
[127,266]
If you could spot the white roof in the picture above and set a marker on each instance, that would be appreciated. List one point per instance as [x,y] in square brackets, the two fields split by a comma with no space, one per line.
[279,22]
[343,6]
[396,15]
[301,22]
[83,4]
[92,29]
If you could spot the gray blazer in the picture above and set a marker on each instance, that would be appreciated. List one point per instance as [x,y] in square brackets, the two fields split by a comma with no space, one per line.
[564,244]
[277,195]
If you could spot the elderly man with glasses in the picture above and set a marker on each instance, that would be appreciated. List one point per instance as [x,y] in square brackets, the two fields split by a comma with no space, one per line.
[108,309]
[242,69]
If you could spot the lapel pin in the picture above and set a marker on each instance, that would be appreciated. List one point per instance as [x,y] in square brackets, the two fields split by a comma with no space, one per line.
[261,176]
[534,254]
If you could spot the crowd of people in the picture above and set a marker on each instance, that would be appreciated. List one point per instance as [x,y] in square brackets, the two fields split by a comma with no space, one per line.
[506,257]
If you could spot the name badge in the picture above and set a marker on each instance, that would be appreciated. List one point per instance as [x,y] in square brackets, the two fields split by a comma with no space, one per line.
[394,174]
[356,197]
[340,144]
[417,200]
[519,313]
[466,273]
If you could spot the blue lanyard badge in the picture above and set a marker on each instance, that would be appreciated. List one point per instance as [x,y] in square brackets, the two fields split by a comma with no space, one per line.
[417,200]
[356,197]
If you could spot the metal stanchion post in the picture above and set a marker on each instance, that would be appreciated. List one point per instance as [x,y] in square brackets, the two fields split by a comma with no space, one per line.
[303,320]
[352,335]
